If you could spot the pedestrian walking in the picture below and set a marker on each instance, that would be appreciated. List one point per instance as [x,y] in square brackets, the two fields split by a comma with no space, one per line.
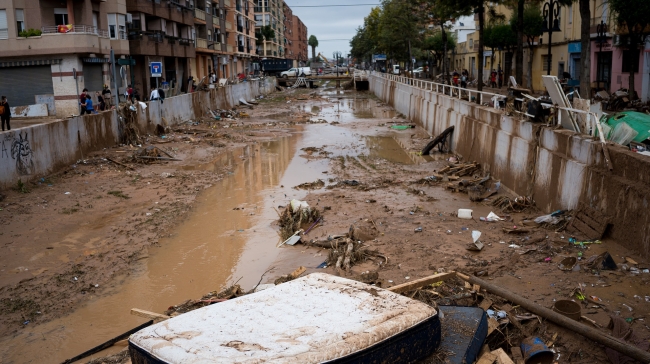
[463,78]
[5,113]
[493,79]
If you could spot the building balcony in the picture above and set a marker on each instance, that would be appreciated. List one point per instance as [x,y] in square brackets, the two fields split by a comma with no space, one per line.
[79,39]
[227,3]
[229,48]
[229,25]
[201,43]
[261,9]
[199,16]
[215,22]
[175,12]
[157,44]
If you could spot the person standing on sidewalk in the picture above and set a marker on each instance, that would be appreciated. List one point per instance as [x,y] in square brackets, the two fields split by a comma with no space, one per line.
[82,100]
[107,96]
[5,113]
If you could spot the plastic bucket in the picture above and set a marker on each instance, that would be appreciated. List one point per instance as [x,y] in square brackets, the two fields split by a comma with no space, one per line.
[535,351]
[568,308]
[465,214]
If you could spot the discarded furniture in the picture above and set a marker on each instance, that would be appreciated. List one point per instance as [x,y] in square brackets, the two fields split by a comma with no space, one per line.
[313,319]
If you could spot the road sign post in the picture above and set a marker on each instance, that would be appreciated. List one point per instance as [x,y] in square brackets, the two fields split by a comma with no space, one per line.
[156,70]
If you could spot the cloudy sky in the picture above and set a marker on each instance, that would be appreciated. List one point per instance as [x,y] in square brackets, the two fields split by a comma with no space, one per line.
[329,22]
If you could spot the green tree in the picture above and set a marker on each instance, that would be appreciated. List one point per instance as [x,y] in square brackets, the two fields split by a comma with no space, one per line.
[440,12]
[364,43]
[633,18]
[436,45]
[531,30]
[313,43]
[264,33]
[400,26]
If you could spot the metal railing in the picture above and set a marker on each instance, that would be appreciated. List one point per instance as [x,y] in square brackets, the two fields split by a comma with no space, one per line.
[77,29]
[450,90]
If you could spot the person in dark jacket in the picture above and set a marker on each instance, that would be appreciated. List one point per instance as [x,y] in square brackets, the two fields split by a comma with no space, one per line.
[6,114]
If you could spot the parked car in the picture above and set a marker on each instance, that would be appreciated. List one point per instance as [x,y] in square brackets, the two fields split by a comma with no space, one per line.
[418,72]
[396,69]
[295,72]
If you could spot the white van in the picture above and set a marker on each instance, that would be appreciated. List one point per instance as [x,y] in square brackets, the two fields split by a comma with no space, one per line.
[295,72]
[396,69]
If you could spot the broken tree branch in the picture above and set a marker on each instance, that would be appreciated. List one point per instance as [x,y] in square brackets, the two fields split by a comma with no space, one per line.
[562,320]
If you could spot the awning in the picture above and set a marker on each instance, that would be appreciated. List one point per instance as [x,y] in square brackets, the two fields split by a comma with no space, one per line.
[36,62]
[96,60]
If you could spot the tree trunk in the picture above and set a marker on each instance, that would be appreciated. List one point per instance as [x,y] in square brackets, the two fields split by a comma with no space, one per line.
[631,65]
[481,25]
[529,70]
[519,56]
[313,53]
[585,53]
[444,53]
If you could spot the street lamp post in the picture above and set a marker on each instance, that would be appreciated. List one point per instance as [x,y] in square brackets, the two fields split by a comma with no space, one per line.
[601,29]
[337,55]
[550,24]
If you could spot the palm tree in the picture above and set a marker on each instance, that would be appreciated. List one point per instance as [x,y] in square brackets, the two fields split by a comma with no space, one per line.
[313,43]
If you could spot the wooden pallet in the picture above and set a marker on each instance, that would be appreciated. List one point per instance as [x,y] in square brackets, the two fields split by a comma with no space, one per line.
[590,222]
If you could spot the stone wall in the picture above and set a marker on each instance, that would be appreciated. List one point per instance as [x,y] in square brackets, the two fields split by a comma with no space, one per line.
[558,168]
[35,151]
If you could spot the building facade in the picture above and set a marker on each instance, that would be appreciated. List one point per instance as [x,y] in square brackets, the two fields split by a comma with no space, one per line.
[271,13]
[50,49]
[295,35]
[161,32]
[611,73]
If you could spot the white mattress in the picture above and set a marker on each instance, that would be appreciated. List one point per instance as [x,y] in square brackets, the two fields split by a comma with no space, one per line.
[312,319]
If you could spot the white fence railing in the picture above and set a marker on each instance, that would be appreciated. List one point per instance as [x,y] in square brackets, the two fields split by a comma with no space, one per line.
[79,29]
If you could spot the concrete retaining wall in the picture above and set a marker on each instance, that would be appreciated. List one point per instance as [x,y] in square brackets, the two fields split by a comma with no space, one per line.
[35,151]
[558,168]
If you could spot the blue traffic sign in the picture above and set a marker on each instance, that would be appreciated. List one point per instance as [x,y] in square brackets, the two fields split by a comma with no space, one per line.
[156,69]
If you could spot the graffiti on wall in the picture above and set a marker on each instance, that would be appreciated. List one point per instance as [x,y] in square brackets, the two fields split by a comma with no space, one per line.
[16,146]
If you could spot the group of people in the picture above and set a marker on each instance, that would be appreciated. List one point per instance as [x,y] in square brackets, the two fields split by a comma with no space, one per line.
[104,101]
[460,79]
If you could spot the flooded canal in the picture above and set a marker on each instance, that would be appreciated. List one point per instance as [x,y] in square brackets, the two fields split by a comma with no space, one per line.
[228,236]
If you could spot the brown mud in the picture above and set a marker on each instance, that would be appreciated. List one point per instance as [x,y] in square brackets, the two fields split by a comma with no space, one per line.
[164,233]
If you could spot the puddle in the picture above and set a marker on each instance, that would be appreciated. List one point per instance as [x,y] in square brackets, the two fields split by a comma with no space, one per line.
[387,148]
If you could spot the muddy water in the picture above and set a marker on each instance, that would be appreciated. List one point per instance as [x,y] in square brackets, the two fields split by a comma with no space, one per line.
[229,236]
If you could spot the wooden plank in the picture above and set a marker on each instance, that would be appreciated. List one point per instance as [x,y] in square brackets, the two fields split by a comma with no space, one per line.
[148,314]
[502,357]
[515,351]
[419,283]
[585,229]
[487,358]
[485,304]
[296,273]
[492,325]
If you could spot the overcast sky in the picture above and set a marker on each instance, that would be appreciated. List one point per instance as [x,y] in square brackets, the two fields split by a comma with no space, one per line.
[329,22]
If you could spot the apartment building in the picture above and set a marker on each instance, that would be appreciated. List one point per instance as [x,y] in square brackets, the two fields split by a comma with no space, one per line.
[612,75]
[244,36]
[271,12]
[161,31]
[46,43]
[207,27]
[295,38]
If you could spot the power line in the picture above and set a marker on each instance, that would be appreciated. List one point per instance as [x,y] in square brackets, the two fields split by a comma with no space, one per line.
[330,6]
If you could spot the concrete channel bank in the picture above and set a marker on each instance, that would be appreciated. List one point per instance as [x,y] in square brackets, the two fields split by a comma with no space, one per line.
[35,151]
[558,168]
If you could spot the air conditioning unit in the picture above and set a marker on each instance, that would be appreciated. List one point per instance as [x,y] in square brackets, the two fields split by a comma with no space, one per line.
[129,18]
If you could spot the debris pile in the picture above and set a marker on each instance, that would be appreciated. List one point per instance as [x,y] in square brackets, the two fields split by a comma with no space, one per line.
[294,216]
[518,204]
[128,123]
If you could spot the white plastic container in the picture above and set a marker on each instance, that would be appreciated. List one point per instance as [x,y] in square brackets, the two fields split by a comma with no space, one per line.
[465,213]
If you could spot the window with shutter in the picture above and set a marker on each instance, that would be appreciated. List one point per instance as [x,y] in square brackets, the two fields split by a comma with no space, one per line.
[4,31]
[20,20]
